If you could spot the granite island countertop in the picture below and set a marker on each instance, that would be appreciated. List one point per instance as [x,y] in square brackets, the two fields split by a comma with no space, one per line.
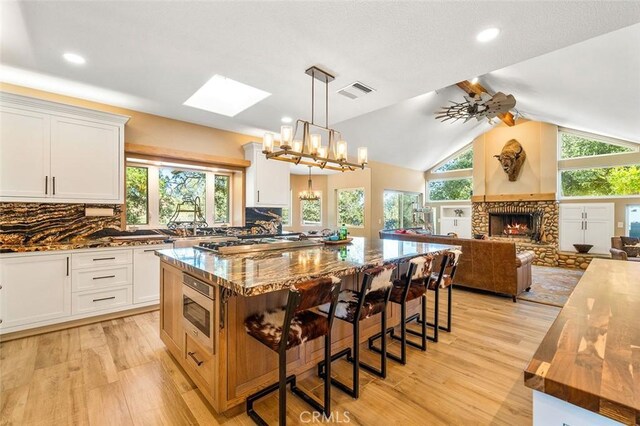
[252,274]
[590,357]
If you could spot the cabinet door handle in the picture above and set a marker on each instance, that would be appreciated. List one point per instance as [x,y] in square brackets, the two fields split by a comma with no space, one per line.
[258,195]
[105,277]
[104,258]
[54,185]
[586,225]
[67,265]
[46,185]
[104,298]
[193,356]
[147,251]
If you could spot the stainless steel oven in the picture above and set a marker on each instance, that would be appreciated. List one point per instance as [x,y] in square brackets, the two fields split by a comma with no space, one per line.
[198,310]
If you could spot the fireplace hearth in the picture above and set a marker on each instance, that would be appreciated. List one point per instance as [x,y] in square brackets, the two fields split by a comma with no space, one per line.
[515,222]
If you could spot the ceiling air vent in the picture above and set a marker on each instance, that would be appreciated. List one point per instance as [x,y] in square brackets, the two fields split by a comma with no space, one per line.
[355,90]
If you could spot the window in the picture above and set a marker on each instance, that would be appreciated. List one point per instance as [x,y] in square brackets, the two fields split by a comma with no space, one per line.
[450,189]
[578,145]
[311,212]
[601,181]
[137,196]
[154,192]
[177,186]
[633,220]
[350,207]
[461,162]
[398,209]
[221,199]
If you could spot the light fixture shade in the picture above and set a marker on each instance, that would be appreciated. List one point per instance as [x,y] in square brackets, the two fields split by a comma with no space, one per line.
[362,155]
[267,142]
[297,145]
[316,143]
[286,135]
[322,152]
[341,150]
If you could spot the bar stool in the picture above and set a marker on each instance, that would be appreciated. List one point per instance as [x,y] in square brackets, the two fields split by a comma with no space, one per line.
[299,324]
[353,307]
[437,281]
[410,286]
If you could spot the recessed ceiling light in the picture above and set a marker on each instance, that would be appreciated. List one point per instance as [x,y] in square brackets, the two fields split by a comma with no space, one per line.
[74,58]
[474,80]
[287,120]
[488,34]
[225,96]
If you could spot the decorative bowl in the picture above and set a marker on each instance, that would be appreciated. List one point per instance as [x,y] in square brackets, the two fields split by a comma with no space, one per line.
[583,248]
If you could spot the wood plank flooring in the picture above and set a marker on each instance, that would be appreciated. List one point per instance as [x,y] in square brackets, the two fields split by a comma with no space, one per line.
[118,372]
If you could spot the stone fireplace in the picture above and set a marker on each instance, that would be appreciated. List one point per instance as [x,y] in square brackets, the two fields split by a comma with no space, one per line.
[515,222]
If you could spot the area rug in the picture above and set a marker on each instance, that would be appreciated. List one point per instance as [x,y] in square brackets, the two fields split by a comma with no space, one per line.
[551,286]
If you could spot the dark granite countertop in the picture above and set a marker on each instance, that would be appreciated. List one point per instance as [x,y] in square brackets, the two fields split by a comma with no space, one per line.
[258,273]
[79,244]
[590,356]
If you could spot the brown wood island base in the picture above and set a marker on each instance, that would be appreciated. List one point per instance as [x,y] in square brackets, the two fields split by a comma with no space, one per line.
[591,355]
[235,365]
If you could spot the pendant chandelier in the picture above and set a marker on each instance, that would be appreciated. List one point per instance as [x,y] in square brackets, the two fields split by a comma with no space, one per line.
[309,194]
[309,150]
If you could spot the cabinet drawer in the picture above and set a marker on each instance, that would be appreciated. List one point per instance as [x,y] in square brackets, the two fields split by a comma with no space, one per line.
[200,360]
[99,278]
[101,258]
[90,301]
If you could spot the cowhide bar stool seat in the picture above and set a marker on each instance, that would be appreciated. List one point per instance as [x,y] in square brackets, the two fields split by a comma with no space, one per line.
[299,323]
[353,307]
[409,286]
[436,281]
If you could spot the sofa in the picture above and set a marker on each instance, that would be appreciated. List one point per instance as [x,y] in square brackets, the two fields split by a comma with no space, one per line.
[618,251]
[489,265]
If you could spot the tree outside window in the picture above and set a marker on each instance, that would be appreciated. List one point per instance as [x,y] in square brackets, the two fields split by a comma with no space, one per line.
[398,209]
[574,146]
[350,204]
[137,199]
[221,199]
[461,162]
[450,189]
[176,186]
[311,212]
[601,181]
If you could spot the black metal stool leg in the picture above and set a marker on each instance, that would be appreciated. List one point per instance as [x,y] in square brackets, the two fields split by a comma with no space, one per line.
[402,359]
[353,356]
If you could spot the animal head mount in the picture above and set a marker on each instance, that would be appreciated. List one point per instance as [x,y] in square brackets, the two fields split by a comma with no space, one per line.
[512,158]
[478,107]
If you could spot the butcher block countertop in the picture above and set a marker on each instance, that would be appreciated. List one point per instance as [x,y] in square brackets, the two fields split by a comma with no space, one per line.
[591,355]
[254,273]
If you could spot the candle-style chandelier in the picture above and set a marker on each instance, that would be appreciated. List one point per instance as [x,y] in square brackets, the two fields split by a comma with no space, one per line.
[309,150]
[309,194]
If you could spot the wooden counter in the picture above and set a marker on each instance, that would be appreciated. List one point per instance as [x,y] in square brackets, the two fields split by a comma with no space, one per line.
[239,365]
[591,355]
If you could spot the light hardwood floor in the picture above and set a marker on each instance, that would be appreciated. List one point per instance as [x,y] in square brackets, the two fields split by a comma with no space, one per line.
[119,373]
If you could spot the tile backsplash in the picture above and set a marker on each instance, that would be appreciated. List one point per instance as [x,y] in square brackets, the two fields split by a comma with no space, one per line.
[47,223]
[268,218]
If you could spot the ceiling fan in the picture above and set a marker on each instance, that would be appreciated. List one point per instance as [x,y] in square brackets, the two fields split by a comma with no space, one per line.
[477,106]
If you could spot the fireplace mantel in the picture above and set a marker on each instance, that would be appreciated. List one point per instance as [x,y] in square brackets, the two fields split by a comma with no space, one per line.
[550,196]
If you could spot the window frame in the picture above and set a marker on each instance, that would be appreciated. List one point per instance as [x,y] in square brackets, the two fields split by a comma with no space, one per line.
[396,191]
[153,192]
[428,189]
[302,222]
[464,150]
[364,216]
[627,218]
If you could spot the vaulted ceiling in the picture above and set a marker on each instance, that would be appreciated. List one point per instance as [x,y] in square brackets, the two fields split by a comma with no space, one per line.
[152,56]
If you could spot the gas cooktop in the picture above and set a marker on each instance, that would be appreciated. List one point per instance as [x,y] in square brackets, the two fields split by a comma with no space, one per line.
[253,245]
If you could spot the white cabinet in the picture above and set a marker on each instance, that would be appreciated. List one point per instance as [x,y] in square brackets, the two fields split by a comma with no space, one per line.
[146,274]
[586,224]
[85,160]
[51,152]
[455,219]
[24,153]
[268,181]
[34,289]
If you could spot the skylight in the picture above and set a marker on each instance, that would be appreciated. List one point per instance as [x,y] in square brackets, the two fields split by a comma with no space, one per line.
[225,96]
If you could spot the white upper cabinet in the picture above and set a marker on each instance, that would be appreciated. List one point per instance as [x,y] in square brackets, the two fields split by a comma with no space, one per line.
[24,153]
[51,152]
[268,181]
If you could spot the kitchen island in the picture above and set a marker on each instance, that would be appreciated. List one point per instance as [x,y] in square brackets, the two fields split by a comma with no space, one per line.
[231,365]
[587,368]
